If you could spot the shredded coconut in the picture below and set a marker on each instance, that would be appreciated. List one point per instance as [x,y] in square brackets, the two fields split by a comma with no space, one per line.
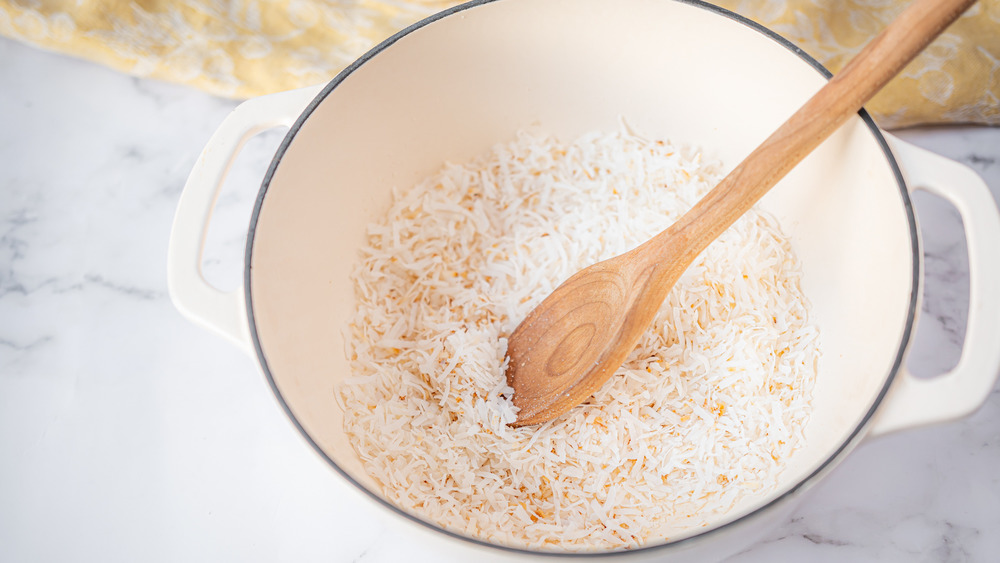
[702,415]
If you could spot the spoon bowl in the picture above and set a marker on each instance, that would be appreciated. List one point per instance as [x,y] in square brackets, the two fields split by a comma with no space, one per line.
[569,345]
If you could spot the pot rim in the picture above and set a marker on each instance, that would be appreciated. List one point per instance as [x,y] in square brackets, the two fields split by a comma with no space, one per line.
[689,541]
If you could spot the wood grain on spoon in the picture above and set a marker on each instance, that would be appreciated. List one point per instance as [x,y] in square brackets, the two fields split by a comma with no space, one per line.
[569,345]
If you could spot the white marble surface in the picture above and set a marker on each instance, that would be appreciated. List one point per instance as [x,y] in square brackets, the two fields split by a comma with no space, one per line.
[129,434]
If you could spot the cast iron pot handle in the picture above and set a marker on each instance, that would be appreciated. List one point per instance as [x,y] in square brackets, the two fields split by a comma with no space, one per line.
[913,401]
[219,311]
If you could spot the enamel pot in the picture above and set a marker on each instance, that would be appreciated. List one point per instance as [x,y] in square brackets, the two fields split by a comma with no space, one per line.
[451,86]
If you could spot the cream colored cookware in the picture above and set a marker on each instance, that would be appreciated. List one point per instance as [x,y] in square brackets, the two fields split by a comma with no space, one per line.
[451,86]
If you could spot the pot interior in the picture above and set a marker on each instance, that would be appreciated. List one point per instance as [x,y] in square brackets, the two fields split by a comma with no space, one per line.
[449,90]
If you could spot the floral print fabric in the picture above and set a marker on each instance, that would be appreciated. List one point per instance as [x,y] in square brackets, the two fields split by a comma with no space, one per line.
[244,48]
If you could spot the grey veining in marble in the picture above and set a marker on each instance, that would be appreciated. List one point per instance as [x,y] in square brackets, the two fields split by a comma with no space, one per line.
[129,434]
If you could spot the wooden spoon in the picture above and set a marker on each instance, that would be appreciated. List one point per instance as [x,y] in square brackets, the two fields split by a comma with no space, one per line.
[569,345]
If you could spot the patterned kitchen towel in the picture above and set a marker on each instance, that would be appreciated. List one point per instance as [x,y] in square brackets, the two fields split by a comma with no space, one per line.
[243,48]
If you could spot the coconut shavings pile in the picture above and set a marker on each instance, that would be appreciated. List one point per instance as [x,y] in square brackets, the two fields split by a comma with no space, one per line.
[702,416]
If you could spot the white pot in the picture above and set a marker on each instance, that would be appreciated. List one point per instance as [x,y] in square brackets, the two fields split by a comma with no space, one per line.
[451,86]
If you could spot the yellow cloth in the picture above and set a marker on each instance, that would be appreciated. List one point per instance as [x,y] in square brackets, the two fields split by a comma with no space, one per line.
[243,48]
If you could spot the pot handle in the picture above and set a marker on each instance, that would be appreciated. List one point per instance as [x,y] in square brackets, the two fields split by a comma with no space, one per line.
[913,401]
[221,312]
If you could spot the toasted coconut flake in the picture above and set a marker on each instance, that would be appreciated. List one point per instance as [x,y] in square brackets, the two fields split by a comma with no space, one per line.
[703,415]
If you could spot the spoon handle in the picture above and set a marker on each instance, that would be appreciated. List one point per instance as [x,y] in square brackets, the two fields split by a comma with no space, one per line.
[842,97]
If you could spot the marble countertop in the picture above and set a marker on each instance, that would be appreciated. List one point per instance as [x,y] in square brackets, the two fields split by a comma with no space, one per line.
[129,434]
